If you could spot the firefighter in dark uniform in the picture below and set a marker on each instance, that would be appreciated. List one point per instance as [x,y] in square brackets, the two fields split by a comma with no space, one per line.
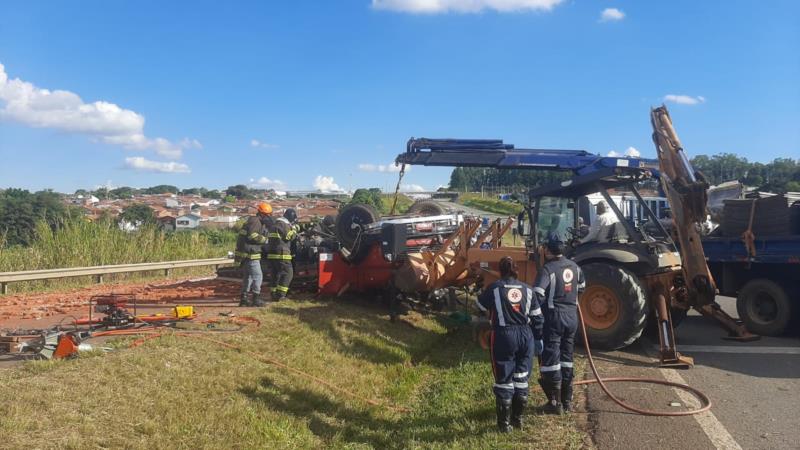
[514,315]
[557,287]
[249,244]
[279,253]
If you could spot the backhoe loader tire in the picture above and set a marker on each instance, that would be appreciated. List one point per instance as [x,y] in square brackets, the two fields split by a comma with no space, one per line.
[614,306]
[427,208]
[357,214]
[765,307]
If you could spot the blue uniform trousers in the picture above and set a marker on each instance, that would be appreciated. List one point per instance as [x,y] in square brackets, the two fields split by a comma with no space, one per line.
[512,354]
[560,326]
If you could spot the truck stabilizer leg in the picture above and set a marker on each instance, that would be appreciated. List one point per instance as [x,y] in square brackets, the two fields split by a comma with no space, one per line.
[670,357]
[736,331]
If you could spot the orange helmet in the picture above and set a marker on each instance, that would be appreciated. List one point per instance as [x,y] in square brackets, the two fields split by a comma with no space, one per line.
[264,208]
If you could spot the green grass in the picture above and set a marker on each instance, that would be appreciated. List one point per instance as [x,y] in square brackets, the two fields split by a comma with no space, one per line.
[491,205]
[403,203]
[79,243]
[177,392]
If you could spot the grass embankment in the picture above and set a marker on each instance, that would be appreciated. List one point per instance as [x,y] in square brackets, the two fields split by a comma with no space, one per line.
[179,392]
[491,205]
[79,243]
[403,203]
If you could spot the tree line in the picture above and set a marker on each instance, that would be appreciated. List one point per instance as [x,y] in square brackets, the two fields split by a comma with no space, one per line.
[780,176]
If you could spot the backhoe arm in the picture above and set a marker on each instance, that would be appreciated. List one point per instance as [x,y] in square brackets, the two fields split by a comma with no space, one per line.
[686,191]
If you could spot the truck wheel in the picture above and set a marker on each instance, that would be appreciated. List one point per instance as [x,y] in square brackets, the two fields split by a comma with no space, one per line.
[614,306]
[764,307]
[426,208]
[349,221]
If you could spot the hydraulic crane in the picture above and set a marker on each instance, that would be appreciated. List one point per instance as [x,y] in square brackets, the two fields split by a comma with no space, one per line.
[636,271]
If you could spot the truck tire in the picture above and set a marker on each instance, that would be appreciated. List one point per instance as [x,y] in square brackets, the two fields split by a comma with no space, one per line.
[614,306]
[427,208]
[349,220]
[765,307]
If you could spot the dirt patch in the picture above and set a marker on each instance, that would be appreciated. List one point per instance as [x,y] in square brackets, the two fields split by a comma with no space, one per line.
[36,306]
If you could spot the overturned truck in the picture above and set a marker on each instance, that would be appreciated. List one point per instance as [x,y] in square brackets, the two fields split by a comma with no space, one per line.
[421,257]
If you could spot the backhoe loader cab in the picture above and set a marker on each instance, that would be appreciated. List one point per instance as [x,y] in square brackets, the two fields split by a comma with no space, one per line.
[625,270]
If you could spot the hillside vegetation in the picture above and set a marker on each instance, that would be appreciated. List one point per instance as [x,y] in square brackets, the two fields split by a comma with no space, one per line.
[491,205]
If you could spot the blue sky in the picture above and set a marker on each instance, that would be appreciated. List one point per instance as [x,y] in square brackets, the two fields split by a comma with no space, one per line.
[292,94]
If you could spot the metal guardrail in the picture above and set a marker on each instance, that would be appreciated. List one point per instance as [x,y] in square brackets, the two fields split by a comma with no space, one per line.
[99,271]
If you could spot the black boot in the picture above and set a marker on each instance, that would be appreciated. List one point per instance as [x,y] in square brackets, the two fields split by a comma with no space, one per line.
[243,299]
[518,404]
[503,415]
[257,300]
[566,396]
[553,405]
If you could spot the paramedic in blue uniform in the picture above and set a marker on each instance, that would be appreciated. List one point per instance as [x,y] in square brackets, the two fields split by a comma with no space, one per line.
[557,287]
[513,312]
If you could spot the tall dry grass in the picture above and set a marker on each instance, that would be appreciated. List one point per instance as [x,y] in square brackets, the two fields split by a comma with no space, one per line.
[79,243]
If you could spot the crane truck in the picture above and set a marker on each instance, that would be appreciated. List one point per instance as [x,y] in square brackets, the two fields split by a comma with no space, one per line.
[637,276]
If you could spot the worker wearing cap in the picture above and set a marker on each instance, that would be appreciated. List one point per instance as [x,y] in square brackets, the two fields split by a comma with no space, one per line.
[279,252]
[513,311]
[557,287]
[249,244]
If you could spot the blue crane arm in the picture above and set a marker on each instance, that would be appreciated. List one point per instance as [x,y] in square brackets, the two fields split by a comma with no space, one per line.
[496,154]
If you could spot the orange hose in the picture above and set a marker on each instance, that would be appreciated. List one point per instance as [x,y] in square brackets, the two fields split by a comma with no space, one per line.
[646,412]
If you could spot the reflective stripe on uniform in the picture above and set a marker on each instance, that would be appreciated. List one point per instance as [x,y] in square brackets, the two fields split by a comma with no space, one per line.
[481,307]
[530,301]
[539,291]
[512,286]
[501,319]
[520,375]
[567,364]
[507,386]
[552,291]
[518,385]
[537,312]
[280,257]
[274,235]
[282,288]
[552,368]
[290,235]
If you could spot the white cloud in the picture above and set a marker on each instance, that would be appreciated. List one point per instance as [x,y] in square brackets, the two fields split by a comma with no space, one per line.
[611,15]
[386,168]
[684,99]
[463,6]
[411,188]
[258,144]
[266,183]
[326,184]
[630,152]
[22,102]
[139,163]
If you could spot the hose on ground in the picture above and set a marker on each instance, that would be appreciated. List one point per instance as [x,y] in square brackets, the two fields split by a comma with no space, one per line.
[704,400]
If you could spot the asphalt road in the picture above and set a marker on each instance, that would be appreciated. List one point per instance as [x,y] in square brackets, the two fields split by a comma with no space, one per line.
[754,387]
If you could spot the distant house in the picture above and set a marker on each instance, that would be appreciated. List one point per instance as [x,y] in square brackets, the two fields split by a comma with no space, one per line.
[187,221]
[220,222]
[167,223]
[172,203]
